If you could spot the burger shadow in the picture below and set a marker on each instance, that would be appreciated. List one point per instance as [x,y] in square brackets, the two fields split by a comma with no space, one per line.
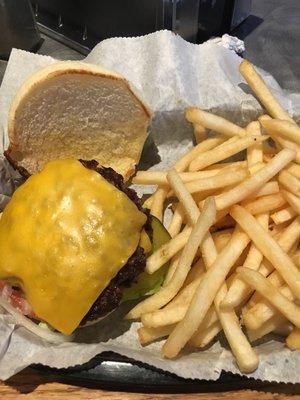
[149,156]
[111,327]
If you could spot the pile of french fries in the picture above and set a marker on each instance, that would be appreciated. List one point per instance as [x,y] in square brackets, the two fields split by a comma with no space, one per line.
[235,228]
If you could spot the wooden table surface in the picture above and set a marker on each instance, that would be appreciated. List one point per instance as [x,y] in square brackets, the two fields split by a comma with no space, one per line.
[31,384]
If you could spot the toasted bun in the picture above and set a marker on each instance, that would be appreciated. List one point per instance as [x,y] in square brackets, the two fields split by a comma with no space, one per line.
[76,110]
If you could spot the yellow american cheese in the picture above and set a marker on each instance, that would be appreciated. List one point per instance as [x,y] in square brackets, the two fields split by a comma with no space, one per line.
[64,235]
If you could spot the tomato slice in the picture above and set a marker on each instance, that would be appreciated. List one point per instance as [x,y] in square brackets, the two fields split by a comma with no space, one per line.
[16,299]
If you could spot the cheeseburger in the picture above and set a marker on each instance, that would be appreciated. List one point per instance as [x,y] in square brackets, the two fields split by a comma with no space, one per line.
[74,238]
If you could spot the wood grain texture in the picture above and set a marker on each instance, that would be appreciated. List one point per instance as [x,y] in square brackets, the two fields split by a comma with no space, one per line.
[31,384]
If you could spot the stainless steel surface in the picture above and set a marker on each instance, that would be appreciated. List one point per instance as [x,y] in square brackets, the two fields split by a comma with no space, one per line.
[17,27]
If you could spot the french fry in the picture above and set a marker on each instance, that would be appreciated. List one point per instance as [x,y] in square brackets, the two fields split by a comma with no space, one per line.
[261,90]
[262,311]
[278,299]
[224,151]
[256,167]
[208,144]
[246,358]
[269,248]
[255,182]
[165,294]
[172,268]
[279,217]
[176,221]
[205,294]
[293,340]
[254,153]
[296,258]
[193,306]
[287,144]
[158,203]
[287,129]
[197,269]
[271,187]
[148,202]
[220,180]
[199,133]
[288,237]
[148,335]
[175,310]
[269,326]
[213,122]
[294,201]
[167,251]
[265,204]
[188,204]
[204,336]
[290,182]
[227,165]
[184,161]
[239,290]
[293,169]
[160,177]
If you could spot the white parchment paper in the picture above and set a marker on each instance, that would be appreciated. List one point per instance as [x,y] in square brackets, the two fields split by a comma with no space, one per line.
[172,74]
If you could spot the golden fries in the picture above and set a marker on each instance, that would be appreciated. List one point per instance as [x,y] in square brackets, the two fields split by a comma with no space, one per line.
[287,129]
[255,152]
[290,310]
[290,182]
[166,293]
[187,158]
[215,270]
[269,248]
[167,251]
[204,336]
[213,122]
[293,169]
[293,200]
[175,310]
[224,151]
[220,180]
[148,335]
[284,215]
[176,221]
[205,294]
[293,340]
[271,325]
[252,184]
[265,203]
[261,90]
[158,203]
[239,291]
[199,133]
[160,177]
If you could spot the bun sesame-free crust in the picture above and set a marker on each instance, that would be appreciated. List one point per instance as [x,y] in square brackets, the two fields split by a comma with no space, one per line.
[77,110]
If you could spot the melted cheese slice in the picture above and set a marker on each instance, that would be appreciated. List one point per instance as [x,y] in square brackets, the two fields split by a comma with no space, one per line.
[64,235]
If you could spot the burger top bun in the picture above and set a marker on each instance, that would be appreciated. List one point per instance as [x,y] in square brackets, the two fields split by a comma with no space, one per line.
[77,110]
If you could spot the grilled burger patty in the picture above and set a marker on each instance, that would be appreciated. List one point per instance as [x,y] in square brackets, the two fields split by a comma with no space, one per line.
[111,296]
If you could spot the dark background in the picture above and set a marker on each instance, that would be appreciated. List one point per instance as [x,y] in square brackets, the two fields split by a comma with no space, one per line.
[271,35]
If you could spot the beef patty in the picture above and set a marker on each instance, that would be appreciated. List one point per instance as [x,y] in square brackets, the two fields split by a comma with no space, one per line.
[111,296]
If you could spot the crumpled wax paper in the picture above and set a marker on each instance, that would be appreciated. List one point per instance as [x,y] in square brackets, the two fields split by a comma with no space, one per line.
[172,74]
